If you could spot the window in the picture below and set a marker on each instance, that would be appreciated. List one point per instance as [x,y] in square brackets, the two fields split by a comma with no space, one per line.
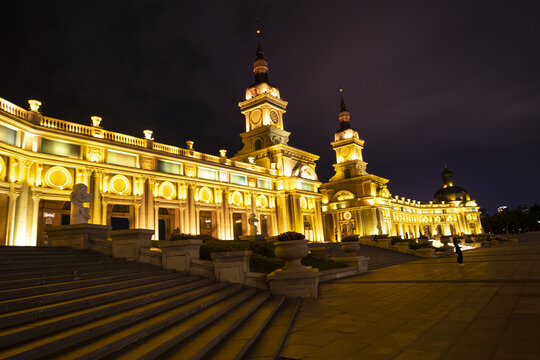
[60,148]
[208,174]
[170,167]
[264,184]
[238,179]
[7,135]
[120,158]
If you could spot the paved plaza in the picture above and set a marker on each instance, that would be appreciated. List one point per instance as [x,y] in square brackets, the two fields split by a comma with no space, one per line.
[429,309]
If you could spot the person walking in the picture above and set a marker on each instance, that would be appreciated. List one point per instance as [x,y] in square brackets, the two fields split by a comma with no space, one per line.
[458,252]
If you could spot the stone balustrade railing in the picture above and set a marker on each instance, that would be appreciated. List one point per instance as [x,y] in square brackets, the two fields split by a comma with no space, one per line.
[74,128]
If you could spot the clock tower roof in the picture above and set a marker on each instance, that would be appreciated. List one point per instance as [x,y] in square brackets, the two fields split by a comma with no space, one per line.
[260,70]
[345,131]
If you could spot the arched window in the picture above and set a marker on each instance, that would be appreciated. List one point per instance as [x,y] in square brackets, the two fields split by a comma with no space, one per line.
[258,144]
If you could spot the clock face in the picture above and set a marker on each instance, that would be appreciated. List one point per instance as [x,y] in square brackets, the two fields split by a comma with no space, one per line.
[274,117]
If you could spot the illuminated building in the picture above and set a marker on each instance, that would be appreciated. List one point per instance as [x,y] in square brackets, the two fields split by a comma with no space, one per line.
[353,195]
[140,183]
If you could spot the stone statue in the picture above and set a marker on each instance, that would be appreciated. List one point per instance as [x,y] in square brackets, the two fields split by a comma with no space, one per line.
[79,213]
[350,228]
[253,222]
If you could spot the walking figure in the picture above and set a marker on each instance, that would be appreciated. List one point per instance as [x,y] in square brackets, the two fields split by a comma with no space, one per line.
[458,252]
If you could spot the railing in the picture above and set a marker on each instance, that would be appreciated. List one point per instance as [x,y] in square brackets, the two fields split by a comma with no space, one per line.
[124,139]
[75,128]
[13,109]
[65,126]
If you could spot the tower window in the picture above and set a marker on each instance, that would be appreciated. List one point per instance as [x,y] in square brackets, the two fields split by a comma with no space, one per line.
[258,144]
[347,173]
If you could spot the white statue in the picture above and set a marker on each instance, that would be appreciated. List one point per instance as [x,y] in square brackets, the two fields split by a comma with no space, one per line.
[79,213]
[350,228]
[253,222]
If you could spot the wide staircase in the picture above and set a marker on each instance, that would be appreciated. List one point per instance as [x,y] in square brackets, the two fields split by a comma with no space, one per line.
[61,303]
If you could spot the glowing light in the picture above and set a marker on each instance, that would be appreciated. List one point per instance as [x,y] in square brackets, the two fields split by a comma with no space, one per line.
[262,201]
[58,177]
[119,184]
[347,215]
[236,198]
[303,202]
[167,190]
[205,195]
[223,153]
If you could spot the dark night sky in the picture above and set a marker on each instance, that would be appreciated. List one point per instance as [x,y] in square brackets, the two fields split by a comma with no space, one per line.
[426,82]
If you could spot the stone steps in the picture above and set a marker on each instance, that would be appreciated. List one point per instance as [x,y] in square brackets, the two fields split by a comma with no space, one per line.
[118,308]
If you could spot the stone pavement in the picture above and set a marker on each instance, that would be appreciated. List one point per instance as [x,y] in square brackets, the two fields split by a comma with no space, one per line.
[429,309]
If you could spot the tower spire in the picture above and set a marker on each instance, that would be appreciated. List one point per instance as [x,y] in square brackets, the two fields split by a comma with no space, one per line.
[343,107]
[260,65]
[344,116]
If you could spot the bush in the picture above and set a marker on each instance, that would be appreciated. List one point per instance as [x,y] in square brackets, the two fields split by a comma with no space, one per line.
[414,246]
[321,264]
[290,235]
[264,264]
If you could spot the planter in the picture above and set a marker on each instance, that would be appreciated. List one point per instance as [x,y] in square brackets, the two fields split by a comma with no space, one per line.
[350,247]
[292,251]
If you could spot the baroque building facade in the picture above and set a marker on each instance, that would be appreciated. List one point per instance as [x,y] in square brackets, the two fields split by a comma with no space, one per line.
[140,183]
[355,199]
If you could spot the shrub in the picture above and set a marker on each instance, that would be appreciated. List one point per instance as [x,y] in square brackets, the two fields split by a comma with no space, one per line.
[414,246]
[290,235]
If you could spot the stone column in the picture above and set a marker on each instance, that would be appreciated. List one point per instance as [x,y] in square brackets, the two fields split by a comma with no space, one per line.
[156,220]
[191,210]
[36,197]
[96,209]
[226,214]
[137,209]
[12,207]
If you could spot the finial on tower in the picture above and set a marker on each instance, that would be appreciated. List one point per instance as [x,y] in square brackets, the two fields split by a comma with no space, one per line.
[343,107]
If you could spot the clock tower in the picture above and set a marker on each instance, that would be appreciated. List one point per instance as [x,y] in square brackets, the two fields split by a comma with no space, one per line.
[348,147]
[263,109]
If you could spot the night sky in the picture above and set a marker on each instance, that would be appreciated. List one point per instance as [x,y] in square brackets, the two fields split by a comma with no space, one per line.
[426,82]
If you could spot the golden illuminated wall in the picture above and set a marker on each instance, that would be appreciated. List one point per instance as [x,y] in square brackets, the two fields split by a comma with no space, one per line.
[137,179]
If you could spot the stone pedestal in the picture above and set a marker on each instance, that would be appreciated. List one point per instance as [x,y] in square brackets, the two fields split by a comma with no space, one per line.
[231,266]
[81,236]
[127,243]
[294,283]
[360,262]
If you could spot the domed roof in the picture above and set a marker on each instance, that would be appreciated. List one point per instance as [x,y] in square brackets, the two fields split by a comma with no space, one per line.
[449,192]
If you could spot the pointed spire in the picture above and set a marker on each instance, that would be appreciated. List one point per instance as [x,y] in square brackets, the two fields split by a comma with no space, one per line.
[260,52]
[260,65]
[343,107]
